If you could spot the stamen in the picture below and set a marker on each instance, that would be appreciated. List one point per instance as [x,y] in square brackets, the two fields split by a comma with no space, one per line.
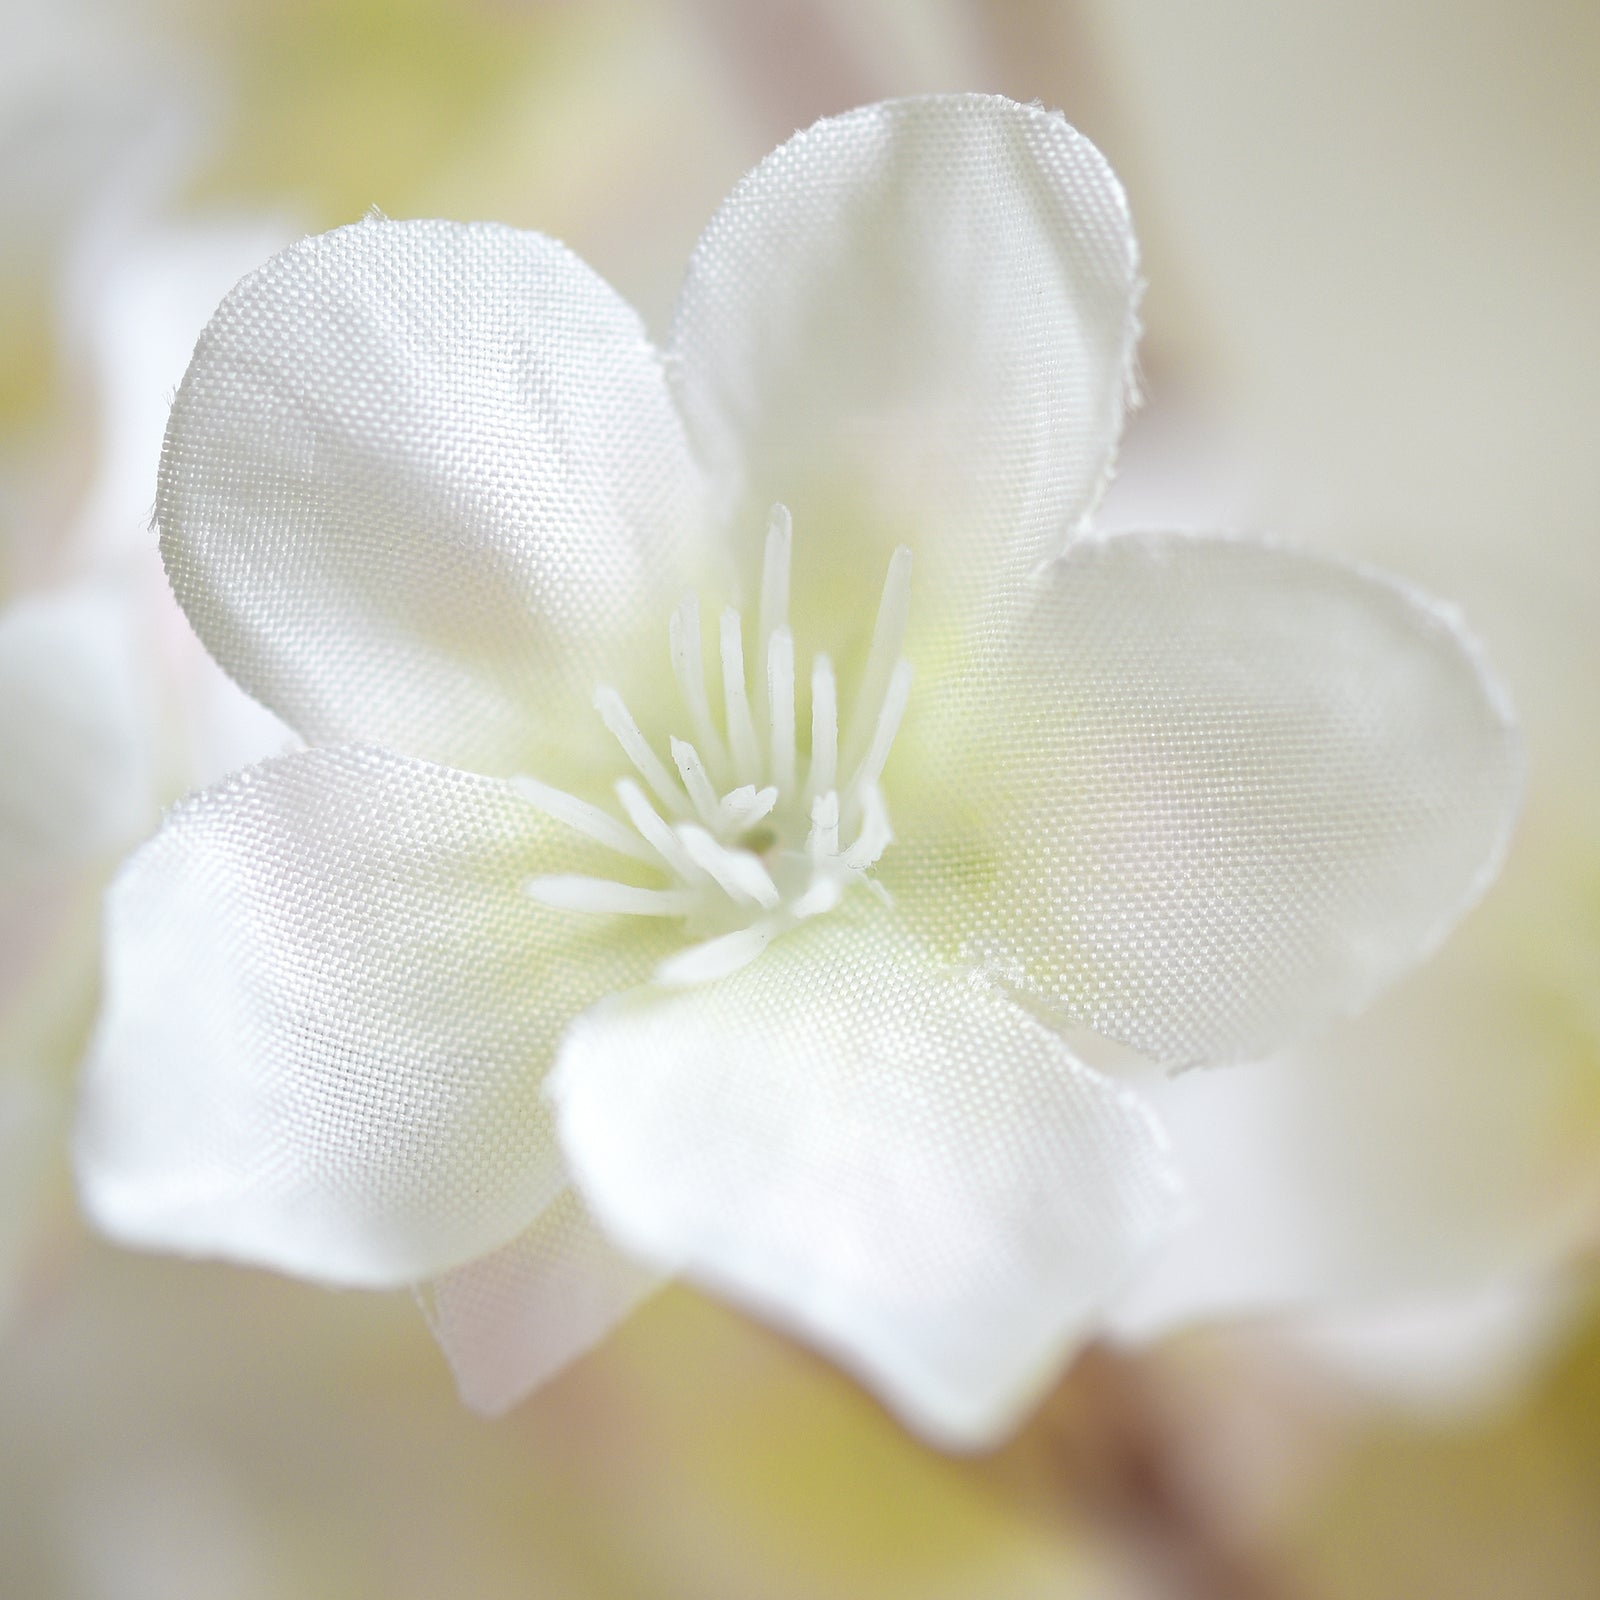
[823,840]
[780,707]
[688,667]
[581,817]
[888,632]
[875,836]
[736,701]
[894,707]
[655,832]
[636,747]
[743,808]
[823,895]
[824,729]
[738,871]
[572,892]
[736,802]
[687,760]
[716,958]
[723,830]
[775,573]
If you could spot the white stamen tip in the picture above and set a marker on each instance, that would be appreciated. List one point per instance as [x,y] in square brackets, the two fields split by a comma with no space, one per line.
[619,721]
[875,836]
[693,772]
[604,897]
[823,895]
[743,808]
[823,841]
[581,817]
[739,872]
[716,958]
[655,832]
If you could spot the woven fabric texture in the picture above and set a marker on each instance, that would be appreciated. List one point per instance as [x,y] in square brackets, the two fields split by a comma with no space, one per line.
[428,486]
[508,1321]
[911,1171]
[420,484]
[328,1010]
[912,324]
[1205,795]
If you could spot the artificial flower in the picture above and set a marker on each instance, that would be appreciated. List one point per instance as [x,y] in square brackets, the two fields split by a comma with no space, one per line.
[599,938]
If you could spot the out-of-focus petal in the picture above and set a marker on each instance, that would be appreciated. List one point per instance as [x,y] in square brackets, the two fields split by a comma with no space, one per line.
[76,775]
[422,485]
[328,1008]
[1446,1139]
[137,302]
[510,1321]
[889,1157]
[913,323]
[1207,794]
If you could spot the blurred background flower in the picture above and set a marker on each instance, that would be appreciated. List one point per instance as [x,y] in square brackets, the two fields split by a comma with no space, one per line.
[1371,233]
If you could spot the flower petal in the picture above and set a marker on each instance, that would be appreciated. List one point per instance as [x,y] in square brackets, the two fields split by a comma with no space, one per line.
[913,324]
[890,1158]
[1208,794]
[77,777]
[511,1321]
[328,1006]
[421,477]
[1445,1140]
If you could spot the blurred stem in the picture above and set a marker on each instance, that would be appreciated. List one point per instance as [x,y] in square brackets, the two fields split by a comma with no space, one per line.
[790,58]
[1125,1466]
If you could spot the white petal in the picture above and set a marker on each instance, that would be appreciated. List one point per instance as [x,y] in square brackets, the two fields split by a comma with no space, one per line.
[892,1159]
[912,324]
[140,311]
[1448,1357]
[421,481]
[76,773]
[328,1007]
[512,1320]
[1207,795]
[1446,1140]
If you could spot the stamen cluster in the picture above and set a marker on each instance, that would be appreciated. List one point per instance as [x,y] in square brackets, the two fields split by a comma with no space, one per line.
[749,847]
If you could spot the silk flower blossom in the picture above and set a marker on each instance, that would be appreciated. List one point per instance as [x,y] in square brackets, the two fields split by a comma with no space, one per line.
[739,770]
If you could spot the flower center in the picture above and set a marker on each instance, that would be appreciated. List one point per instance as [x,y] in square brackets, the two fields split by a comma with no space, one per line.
[751,837]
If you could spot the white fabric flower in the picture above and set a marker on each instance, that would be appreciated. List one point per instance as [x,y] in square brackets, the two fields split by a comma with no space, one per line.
[747,943]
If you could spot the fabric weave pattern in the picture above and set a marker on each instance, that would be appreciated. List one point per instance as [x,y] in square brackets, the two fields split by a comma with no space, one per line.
[400,1009]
